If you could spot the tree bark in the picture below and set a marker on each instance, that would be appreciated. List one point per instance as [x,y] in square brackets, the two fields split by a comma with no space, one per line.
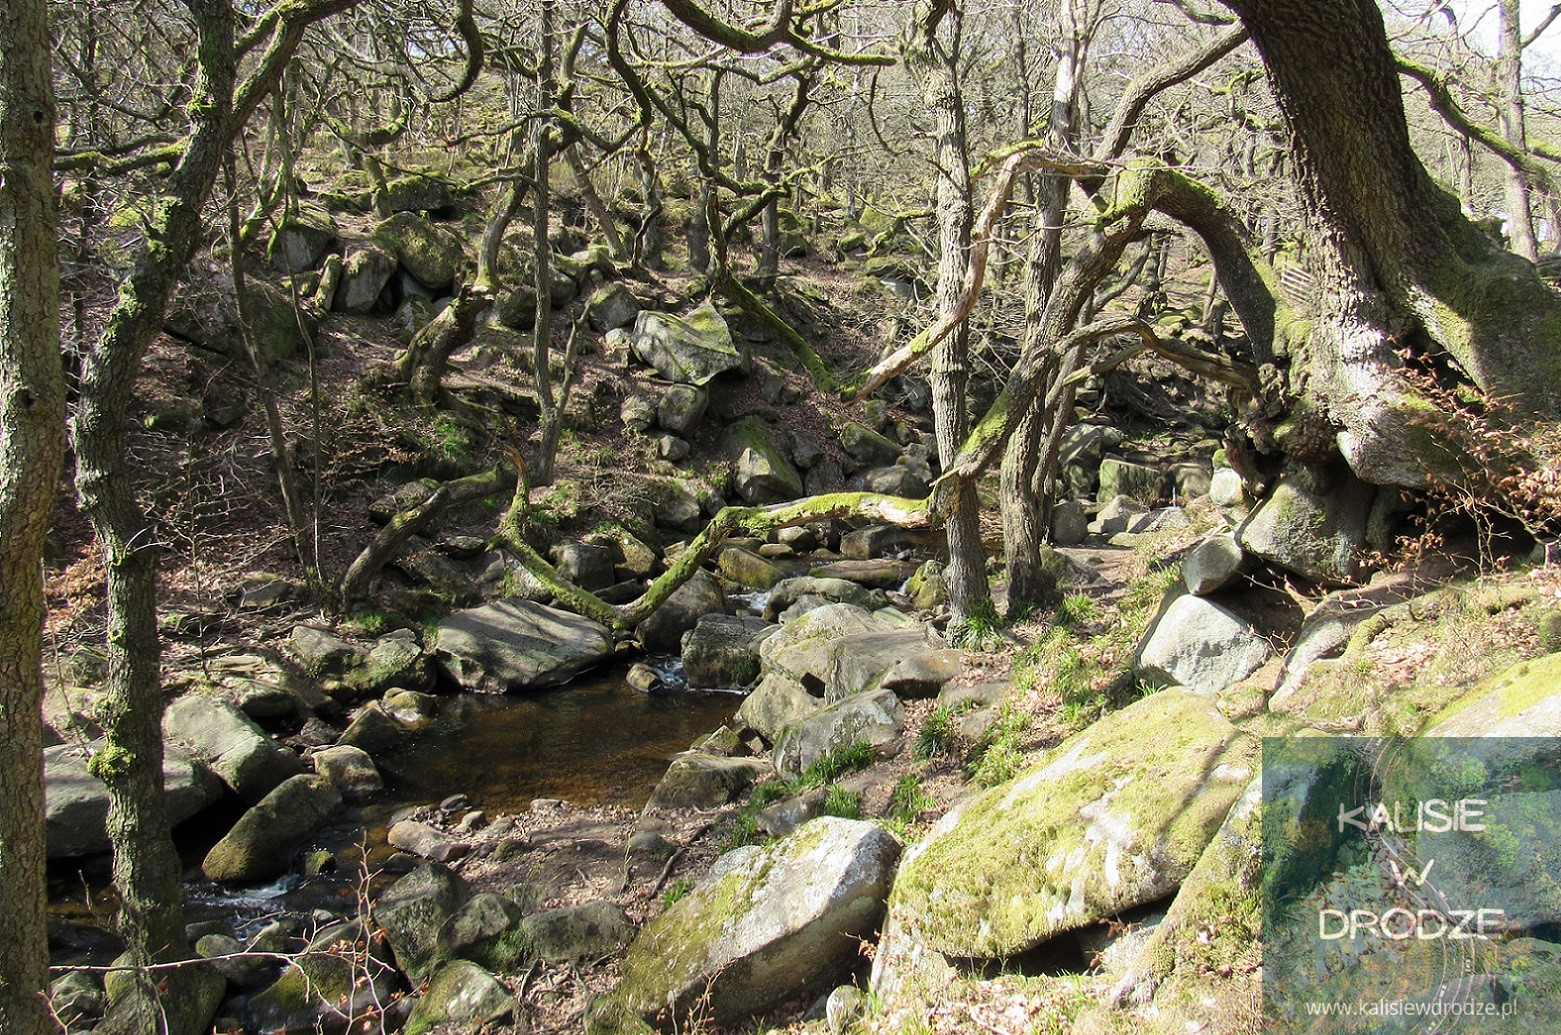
[542,255]
[32,452]
[936,68]
[1402,272]
[1514,127]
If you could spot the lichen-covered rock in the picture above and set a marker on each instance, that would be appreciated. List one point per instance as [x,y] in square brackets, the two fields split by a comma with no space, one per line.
[301,238]
[364,273]
[866,446]
[748,569]
[518,645]
[1213,564]
[761,472]
[822,590]
[351,770]
[610,307]
[1316,535]
[878,573]
[430,253]
[486,930]
[1070,523]
[414,909]
[344,977]
[722,651]
[229,742]
[1200,645]
[764,926]
[689,350]
[876,718]
[1138,482]
[205,312]
[262,842]
[464,995]
[696,780]
[76,802]
[681,408]
[1523,701]
[1114,817]
[805,649]
[589,930]
[419,192]
[395,660]
[777,704]
[699,596]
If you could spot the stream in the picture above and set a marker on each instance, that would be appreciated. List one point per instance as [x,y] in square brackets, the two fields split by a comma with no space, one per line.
[596,742]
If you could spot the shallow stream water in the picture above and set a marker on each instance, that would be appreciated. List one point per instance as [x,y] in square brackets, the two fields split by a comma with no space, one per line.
[595,742]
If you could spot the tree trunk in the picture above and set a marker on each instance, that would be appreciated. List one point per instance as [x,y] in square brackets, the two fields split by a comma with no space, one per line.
[145,868]
[32,452]
[1401,271]
[936,68]
[1514,128]
[542,258]
[1020,501]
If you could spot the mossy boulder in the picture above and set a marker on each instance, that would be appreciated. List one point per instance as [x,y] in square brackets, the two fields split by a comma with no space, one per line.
[866,446]
[419,192]
[364,273]
[1115,817]
[765,925]
[696,780]
[689,350]
[205,313]
[345,976]
[874,719]
[464,996]
[663,631]
[1523,701]
[747,568]
[301,238]
[1317,533]
[486,931]
[795,596]
[611,306]
[261,844]
[430,253]
[231,744]
[589,930]
[722,651]
[777,704]
[1138,482]
[414,910]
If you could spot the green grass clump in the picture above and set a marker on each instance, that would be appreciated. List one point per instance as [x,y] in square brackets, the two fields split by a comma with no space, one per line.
[843,803]
[937,733]
[908,800]
[981,630]
[1077,609]
[849,759]
[676,893]
[999,756]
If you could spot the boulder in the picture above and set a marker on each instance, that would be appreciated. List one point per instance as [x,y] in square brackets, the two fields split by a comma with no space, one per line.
[672,449]
[587,565]
[419,192]
[806,649]
[426,842]
[1070,523]
[1213,564]
[678,509]
[414,909]
[486,930]
[262,842]
[1228,492]
[910,659]
[637,413]
[301,238]
[464,996]
[1202,646]
[928,589]
[874,541]
[894,480]
[518,645]
[610,307]
[699,596]
[430,253]
[747,569]
[688,350]
[517,309]
[874,718]
[1138,482]
[1113,818]
[1316,535]
[823,590]
[761,471]
[321,653]
[373,730]
[409,707]
[364,273]
[777,704]
[205,313]
[1118,515]
[395,661]
[880,573]
[589,930]
[351,770]
[765,926]
[723,650]
[411,316]
[867,447]
[1522,701]
[76,802]
[229,742]
[344,976]
[696,780]
[681,408]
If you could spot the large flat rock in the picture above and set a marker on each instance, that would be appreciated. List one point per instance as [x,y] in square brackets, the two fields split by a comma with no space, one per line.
[76,802]
[518,645]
